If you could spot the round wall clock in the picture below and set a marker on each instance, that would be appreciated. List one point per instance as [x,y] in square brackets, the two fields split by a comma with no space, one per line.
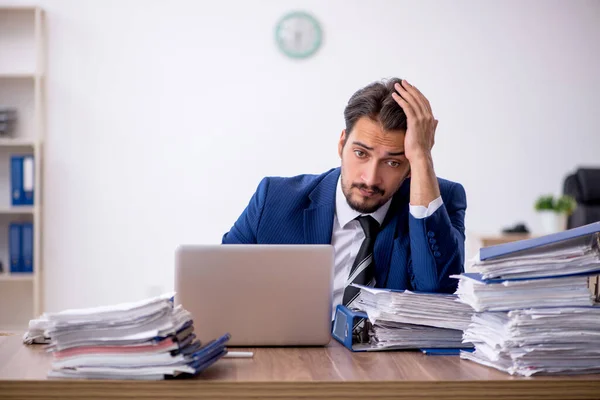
[298,34]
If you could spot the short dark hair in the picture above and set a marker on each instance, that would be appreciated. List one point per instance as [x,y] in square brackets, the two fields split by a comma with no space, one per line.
[376,102]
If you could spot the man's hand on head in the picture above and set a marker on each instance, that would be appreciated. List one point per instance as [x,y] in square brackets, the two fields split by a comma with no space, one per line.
[418,142]
[421,125]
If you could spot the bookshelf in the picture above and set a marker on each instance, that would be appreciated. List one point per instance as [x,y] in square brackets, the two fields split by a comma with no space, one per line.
[22,74]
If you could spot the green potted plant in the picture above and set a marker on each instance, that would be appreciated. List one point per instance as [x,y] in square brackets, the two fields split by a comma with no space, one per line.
[554,211]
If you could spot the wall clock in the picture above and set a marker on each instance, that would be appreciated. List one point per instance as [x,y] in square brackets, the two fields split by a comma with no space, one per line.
[298,34]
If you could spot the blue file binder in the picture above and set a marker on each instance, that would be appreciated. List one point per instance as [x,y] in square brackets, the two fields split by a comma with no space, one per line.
[27,247]
[16,180]
[28,180]
[525,246]
[479,277]
[445,352]
[343,326]
[206,355]
[346,332]
[22,180]
[14,247]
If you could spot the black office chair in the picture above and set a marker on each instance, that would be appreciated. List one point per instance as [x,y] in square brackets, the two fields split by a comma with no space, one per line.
[584,187]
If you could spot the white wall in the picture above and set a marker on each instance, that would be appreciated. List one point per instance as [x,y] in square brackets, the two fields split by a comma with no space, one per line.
[164,115]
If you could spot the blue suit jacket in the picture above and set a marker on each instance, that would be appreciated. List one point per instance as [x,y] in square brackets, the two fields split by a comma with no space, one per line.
[410,253]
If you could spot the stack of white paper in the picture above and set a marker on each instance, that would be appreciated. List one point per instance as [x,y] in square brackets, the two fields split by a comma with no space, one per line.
[388,335]
[536,313]
[428,309]
[542,340]
[144,340]
[409,320]
[502,295]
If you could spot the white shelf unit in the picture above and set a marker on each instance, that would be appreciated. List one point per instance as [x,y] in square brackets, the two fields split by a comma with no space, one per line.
[22,73]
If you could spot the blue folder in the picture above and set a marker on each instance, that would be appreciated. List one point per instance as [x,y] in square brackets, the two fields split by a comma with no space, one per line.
[543,242]
[479,277]
[343,326]
[28,180]
[208,354]
[346,332]
[14,247]
[16,180]
[197,355]
[446,352]
[22,180]
[27,247]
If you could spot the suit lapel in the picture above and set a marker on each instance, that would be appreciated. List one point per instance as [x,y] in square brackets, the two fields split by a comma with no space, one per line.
[395,221]
[318,217]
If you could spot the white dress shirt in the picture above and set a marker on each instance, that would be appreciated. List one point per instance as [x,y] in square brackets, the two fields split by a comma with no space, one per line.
[348,235]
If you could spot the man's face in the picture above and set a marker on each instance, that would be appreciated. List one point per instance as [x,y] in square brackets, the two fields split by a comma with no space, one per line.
[373,165]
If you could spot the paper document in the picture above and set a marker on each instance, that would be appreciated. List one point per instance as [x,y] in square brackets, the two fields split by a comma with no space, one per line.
[428,309]
[150,339]
[411,320]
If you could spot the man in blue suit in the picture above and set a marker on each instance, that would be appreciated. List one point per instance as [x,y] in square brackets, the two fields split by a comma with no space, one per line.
[391,221]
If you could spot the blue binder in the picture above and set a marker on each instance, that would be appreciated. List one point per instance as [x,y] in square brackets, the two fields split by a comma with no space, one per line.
[347,331]
[27,247]
[524,246]
[14,247]
[16,180]
[22,180]
[479,277]
[344,326]
[28,180]
[446,352]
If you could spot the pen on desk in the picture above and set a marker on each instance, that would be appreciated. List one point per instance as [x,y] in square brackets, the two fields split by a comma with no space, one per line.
[239,354]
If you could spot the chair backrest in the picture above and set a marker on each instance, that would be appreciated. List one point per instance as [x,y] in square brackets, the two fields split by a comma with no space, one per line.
[584,187]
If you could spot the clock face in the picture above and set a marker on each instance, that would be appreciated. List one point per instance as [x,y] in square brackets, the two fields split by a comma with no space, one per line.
[298,35]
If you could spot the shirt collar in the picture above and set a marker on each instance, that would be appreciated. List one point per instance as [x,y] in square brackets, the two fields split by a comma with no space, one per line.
[346,214]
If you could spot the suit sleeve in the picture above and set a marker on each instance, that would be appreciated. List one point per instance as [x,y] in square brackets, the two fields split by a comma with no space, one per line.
[245,229]
[437,245]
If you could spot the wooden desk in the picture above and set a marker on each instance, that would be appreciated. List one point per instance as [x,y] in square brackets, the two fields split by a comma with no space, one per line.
[285,373]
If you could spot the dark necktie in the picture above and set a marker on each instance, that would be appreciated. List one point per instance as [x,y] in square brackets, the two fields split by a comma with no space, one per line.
[363,268]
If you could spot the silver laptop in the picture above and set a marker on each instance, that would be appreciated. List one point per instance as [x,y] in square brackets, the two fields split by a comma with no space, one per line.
[263,295]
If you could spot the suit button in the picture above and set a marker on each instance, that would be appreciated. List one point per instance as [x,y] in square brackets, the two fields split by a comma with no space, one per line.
[435,247]
[432,240]
[430,234]
[437,254]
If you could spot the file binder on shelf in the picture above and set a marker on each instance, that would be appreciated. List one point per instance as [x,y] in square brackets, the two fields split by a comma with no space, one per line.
[28,180]
[22,180]
[351,329]
[14,247]
[27,247]
[20,246]
[16,180]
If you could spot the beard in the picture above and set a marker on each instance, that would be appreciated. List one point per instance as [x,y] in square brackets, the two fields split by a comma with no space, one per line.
[362,204]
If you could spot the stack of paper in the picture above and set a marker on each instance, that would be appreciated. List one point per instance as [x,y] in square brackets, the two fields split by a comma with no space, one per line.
[500,295]
[147,340]
[542,340]
[406,319]
[388,335]
[536,312]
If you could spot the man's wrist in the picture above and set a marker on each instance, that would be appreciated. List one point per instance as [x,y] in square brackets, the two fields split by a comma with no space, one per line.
[421,159]
[424,186]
